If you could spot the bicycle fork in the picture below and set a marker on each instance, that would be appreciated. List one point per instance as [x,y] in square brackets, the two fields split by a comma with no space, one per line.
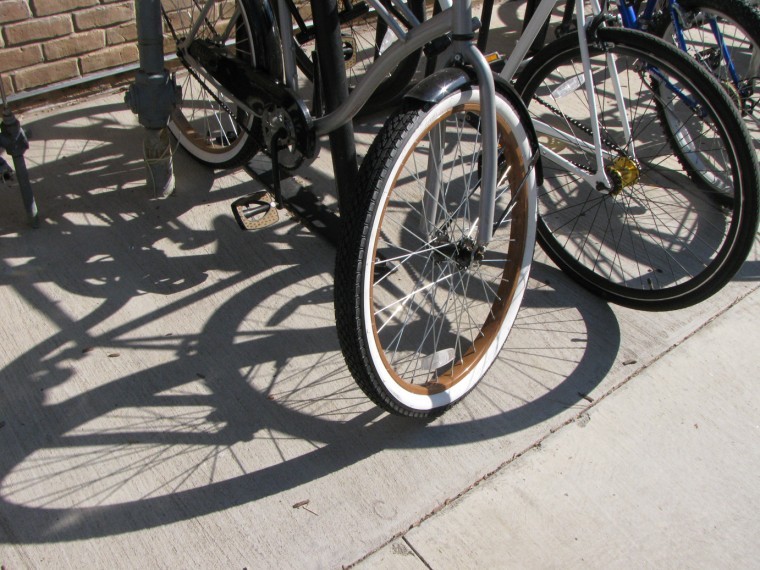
[465,50]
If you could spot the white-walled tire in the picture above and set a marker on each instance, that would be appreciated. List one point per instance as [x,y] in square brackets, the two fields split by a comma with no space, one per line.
[421,314]
[214,134]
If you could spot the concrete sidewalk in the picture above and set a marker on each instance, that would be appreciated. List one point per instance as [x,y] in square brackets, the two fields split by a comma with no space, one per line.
[663,472]
[172,394]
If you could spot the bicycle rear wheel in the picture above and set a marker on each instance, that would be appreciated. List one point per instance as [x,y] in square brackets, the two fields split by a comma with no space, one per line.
[655,239]
[365,37]
[421,312]
[208,124]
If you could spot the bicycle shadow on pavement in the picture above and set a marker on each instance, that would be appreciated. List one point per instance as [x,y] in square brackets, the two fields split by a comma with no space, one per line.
[161,365]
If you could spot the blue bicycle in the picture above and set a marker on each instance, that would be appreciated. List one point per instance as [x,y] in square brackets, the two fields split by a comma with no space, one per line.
[722,35]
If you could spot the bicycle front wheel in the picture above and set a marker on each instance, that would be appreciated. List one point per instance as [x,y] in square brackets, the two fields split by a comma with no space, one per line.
[422,312]
[652,237]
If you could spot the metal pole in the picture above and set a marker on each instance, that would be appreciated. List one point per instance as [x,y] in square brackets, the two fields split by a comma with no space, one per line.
[153,97]
[333,69]
[485,24]
[13,139]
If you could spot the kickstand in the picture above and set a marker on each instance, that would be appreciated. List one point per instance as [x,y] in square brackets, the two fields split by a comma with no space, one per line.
[274,152]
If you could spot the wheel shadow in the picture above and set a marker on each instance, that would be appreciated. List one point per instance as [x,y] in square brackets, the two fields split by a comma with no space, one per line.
[171,366]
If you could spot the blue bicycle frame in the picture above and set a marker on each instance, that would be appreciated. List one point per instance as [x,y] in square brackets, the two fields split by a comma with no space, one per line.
[631,20]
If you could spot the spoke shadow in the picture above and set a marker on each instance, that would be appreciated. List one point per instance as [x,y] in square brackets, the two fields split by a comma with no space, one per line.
[171,366]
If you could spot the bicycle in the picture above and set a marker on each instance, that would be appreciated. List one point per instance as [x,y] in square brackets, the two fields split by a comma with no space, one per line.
[215,131]
[723,36]
[618,213]
[488,117]
[438,239]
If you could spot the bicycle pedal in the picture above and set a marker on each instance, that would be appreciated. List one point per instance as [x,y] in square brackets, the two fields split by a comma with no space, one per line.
[350,49]
[256,211]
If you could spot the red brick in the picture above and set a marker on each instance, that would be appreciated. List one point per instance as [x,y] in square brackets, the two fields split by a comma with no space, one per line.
[44,74]
[48,7]
[16,58]
[75,44]
[37,29]
[121,34]
[104,16]
[111,57]
[7,84]
[13,11]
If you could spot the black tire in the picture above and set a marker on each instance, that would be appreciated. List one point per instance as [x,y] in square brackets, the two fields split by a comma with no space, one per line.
[739,26]
[421,315]
[217,134]
[657,240]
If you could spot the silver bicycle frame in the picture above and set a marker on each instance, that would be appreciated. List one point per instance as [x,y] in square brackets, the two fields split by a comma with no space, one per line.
[458,20]
[461,26]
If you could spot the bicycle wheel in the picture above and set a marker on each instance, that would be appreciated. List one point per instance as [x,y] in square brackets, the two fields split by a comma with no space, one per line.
[365,38]
[421,313]
[737,23]
[654,239]
[208,124]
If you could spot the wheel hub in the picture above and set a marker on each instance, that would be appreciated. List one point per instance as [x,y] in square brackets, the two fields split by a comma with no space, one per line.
[624,173]
[465,253]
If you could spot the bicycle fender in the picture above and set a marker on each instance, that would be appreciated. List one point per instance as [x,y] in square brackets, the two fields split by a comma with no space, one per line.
[506,89]
[439,85]
[434,88]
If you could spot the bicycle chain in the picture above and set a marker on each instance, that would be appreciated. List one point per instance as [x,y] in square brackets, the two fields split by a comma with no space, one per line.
[196,75]
[576,123]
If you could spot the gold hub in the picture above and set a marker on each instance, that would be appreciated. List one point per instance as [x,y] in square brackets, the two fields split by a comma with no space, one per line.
[626,170]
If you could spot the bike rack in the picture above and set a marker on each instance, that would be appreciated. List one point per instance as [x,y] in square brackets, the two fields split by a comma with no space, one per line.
[154,95]
[14,141]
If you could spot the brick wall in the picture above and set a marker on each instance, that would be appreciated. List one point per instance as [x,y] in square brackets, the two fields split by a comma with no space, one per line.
[47,41]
